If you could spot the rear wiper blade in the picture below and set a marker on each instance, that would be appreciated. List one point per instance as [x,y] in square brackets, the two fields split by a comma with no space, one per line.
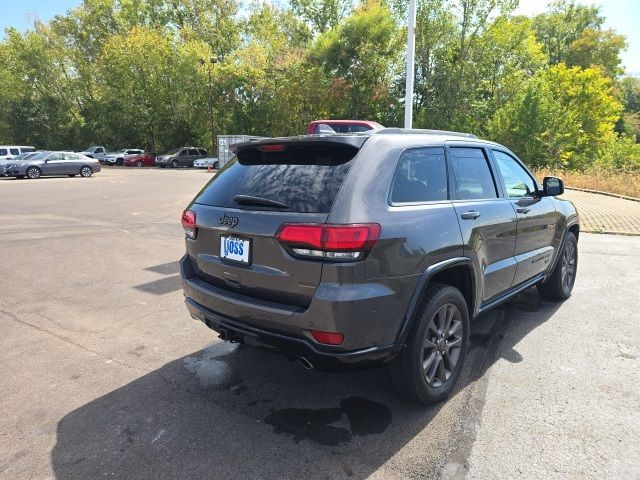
[251,200]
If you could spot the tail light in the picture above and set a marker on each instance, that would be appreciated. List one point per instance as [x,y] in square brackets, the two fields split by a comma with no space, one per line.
[329,242]
[189,223]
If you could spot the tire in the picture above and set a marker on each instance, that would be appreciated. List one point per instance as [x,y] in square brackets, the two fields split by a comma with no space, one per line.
[215,165]
[174,164]
[119,162]
[138,163]
[560,283]
[72,175]
[86,171]
[429,365]
[33,173]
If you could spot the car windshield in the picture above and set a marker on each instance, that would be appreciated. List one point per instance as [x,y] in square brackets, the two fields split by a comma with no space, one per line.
[174,151]
[124,150]
[22,156]
[40,156]
[91,149]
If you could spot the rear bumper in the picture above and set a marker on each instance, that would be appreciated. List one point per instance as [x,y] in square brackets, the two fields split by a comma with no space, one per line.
[234,331]
[271,326]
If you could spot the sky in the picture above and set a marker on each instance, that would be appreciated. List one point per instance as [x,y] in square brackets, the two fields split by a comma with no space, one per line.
[622,15]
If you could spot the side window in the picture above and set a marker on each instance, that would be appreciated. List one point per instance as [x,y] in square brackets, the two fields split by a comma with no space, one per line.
[3,151]
[28,149]
[99,150]
[15,151]
[202,151]
[472,176]
[183,153]
[55,156]
[193,151]
[358,128]
[421,176]
[518,182]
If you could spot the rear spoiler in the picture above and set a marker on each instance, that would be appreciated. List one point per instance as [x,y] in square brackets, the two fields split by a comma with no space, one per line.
[279,144]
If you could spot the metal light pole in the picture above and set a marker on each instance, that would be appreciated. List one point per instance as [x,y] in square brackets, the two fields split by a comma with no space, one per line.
[411,51]
[212,127]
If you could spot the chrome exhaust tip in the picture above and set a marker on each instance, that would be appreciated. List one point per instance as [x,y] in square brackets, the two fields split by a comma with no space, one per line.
[305,363]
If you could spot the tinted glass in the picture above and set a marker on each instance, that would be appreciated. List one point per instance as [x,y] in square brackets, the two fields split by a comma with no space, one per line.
[472,176]
[15,151]
[193,151]
[3,151]
[421,176]
[202,151]
[306,178]
[518,182]
[184,152]
[27,149]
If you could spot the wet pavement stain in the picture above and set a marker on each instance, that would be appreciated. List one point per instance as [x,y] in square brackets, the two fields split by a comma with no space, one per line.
[311,424]
[365,417]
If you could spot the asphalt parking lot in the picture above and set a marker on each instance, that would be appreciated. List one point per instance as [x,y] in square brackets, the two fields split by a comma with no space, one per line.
[103,374]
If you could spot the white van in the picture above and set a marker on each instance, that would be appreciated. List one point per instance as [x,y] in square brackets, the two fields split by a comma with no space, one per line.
[10,151]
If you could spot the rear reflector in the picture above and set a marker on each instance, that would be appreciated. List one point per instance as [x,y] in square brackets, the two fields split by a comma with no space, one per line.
[189,223]
[327,338]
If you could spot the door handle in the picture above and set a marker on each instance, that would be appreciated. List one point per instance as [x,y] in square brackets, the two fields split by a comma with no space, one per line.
[523,210]
[471,215]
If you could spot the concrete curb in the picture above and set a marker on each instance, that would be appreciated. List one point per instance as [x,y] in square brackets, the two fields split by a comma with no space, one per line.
[608,194]
[610,232]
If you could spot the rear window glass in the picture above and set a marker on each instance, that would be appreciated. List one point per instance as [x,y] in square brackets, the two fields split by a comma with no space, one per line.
[421,176]
[306,178]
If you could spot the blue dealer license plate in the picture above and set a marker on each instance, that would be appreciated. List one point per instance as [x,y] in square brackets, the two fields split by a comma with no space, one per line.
[235,249]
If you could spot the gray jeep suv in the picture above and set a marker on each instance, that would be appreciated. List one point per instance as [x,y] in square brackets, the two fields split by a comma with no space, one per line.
[356,250]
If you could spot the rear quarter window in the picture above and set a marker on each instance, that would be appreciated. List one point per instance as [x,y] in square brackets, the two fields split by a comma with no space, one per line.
[421,176]
[304,177]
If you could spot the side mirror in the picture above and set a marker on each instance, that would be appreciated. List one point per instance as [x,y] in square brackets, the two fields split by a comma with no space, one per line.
[552,186]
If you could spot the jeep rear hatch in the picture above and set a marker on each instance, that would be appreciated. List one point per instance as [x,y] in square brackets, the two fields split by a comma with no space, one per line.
[240,212]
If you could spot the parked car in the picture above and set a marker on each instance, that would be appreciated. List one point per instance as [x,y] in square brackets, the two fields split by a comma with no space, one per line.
[206,163]
[9,151]
[181,157]
[96,151]
[342,126]
[356,250]
[53,163]
[118,157]
[22,156]
[140,160]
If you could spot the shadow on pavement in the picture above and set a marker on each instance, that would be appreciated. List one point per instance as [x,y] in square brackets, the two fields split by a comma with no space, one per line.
[229,411]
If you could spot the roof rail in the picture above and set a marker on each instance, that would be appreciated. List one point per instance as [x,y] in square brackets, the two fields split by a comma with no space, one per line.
[420,131]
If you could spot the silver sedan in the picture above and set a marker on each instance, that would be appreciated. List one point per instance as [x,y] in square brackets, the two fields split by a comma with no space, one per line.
[53,163]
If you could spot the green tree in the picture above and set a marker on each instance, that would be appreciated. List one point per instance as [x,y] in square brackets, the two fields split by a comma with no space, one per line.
[573,34]
[563,116]
[360,59]
[322,15]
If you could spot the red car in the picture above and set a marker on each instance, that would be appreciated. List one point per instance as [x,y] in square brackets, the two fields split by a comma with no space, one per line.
[343,126]
[142,160]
